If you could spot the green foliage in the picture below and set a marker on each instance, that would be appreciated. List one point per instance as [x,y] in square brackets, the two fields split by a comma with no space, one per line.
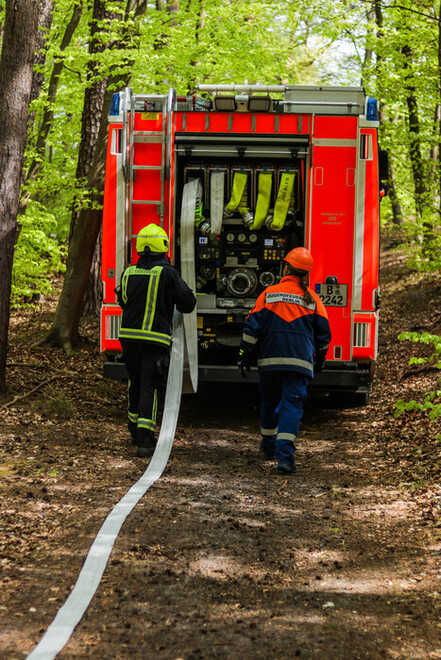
[37,256]
[404,74]
[181,44]
[246,41]
[432,400]
[424,338]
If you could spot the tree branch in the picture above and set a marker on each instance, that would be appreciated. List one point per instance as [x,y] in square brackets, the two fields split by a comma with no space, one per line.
[408,9]
[23,396]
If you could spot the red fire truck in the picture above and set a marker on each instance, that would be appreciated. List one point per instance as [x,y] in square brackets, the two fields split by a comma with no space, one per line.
[238,176]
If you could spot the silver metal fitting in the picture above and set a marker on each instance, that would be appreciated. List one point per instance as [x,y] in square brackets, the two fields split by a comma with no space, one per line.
[205,228]
[269,221]
[241,282]
[248,219]
[267,278]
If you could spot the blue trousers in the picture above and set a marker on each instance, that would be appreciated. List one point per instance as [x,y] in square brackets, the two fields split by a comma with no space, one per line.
[283,394]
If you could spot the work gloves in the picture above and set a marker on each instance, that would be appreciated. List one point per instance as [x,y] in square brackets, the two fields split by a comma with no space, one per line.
[243,363]
[319,361]
[163,364]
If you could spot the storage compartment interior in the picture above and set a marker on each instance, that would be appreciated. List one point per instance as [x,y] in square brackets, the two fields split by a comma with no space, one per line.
[237,261]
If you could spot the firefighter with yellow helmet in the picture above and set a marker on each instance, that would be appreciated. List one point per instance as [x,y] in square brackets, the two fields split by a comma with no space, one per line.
[289,328]
[148,293]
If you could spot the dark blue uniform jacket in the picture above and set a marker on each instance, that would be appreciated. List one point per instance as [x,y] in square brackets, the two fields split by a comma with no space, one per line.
[286,331]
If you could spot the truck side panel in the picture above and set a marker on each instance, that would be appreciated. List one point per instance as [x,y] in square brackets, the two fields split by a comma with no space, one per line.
[331,217]
[112,260]
[371,243]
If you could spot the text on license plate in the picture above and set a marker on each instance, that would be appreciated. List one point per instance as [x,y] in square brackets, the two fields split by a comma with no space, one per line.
[333,295]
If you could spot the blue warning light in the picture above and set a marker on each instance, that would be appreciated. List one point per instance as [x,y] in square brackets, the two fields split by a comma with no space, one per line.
[372,109]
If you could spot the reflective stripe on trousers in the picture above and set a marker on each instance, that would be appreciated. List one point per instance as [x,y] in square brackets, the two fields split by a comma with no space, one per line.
[141,359]
[283,394]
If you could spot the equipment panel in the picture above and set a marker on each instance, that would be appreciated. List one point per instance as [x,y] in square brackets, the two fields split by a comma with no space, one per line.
[239,263]
[249,214]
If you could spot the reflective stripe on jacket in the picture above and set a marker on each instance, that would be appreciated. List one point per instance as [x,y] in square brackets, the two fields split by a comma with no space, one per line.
[286,330]
[147,294]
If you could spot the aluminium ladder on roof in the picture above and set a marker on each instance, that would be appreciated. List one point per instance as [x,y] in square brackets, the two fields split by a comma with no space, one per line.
[132,137]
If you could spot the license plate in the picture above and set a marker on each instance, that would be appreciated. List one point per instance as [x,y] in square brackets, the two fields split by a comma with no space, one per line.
[333,295]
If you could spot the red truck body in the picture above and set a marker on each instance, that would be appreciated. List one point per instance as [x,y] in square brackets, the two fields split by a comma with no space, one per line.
[324,139]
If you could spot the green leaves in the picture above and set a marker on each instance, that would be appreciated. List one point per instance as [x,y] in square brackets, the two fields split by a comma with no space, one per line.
[38,255]
[430,405]
[432,401]
[424,338]
[181,44]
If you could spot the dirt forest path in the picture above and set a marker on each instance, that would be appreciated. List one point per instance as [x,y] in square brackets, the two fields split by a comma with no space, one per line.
[223,557]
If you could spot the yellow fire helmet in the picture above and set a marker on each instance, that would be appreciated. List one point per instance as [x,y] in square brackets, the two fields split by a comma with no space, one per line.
[153,237]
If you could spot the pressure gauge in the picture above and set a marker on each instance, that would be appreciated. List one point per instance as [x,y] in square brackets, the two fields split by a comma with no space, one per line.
[253,238]
[230,237]
[241,238]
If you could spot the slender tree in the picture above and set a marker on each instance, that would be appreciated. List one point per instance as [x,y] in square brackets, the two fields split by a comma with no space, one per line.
[46,12]
[416,156]
[397,213]
[64,330]
[16,65]
[48,114]
[93,98]
[90,124]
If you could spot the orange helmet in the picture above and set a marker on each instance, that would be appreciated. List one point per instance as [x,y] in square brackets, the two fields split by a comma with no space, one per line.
[300,258]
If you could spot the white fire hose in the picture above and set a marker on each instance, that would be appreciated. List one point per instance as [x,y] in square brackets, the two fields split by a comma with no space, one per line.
[192,191]
[70,614]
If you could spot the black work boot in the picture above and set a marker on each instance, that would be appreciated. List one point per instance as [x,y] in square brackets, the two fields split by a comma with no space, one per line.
[133,430]
[146,442]
[286,467]
[145,452]
[267,449]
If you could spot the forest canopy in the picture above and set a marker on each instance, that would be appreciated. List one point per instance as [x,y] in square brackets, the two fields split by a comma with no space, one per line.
[89,47]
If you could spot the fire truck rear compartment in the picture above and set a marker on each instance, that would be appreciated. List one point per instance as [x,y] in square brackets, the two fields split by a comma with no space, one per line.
[318,135]
[234,267]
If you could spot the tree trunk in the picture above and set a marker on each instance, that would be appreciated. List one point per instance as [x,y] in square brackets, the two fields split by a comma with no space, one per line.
[414,136]
[92,105]
[201,15]
[368,52]
[46,14]
[16,64]
[397,213]
[48,114]
[92,299]
[170,7]
[90,125]
[64,330]
[44,25]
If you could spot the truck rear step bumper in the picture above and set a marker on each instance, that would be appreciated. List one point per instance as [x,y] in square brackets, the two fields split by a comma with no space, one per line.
[346,377]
